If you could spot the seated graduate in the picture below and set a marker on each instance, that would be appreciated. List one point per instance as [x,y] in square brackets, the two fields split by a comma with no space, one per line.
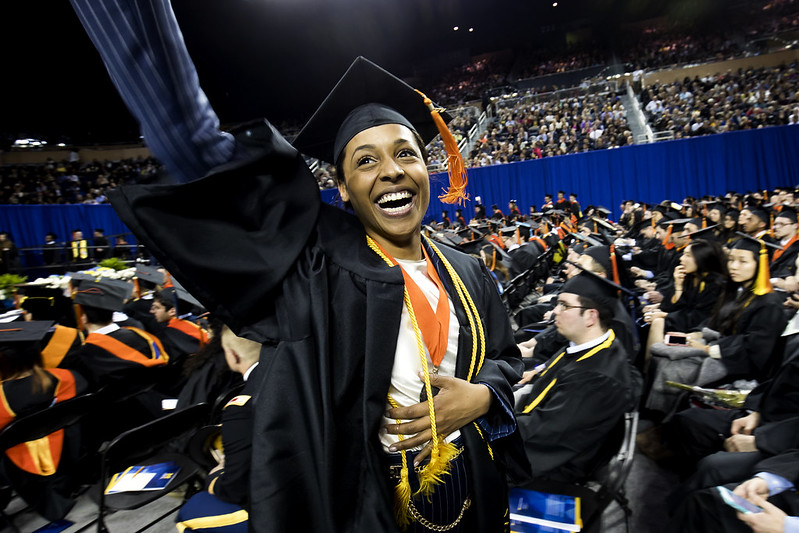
[60,340]
[111,354]
[148,280]
[728,443]
[582,393]
[39,470]
[740,336]
[773,489]
[699,281]
[181,338]
[227,491]
[783,261]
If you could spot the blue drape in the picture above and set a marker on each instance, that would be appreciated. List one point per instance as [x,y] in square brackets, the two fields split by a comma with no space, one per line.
[739,161]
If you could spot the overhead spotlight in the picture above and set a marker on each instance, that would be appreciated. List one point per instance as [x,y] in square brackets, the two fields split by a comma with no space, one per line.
[554,4]
[61,145]
[456,28]
[471,30]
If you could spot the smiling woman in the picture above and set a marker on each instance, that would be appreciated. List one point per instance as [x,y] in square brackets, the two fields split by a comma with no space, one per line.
[382,352]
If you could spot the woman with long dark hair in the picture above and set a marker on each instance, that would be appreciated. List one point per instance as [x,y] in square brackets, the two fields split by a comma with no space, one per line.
[739,338]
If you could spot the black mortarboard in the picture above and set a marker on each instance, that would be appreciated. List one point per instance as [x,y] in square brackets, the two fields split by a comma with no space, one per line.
[597,288]
[676,224]
[32,331]
[605,211]
[590,240]
[761,214]
[366,96]
[701,233]
[762,283]
[150,273]
[601,254]
[102,295]
[183,295]
[77,277]
[508,231]
[787,212]
[747,242]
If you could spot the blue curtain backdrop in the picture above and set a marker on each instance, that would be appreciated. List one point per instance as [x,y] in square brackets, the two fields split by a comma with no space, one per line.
[740,161]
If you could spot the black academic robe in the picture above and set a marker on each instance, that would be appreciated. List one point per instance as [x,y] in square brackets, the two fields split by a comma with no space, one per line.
[574,405]
[50,496]
[748,350]
[695,305]
[281,268]
[785,265]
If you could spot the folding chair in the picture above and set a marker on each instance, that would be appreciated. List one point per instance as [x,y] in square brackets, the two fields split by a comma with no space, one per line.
[607,482]
[39,424]
[143,446]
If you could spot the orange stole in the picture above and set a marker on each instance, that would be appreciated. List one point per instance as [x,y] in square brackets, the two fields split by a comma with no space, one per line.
[40,457]
[192,330]
[59,345]
[123,351]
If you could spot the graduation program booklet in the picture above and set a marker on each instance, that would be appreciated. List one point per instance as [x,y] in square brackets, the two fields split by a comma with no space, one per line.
[532,511]
[138,478]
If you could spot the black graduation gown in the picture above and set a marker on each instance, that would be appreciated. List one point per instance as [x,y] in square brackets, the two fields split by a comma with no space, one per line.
[785,264]
[748,351]
[281,268]
[47,495]
[578,403]
[694,306]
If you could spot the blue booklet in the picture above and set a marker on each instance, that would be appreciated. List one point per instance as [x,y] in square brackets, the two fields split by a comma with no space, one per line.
[532,511]
[148,477]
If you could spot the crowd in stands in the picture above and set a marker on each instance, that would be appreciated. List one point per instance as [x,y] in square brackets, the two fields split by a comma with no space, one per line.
[742,100]
[67,182]
[528,131]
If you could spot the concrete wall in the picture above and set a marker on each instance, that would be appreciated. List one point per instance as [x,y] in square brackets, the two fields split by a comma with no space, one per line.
[710,69]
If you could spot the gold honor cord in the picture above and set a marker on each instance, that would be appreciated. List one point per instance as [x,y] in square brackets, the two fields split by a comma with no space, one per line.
[442,452]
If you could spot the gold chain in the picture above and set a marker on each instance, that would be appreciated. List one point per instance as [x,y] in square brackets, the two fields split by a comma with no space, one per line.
[417,517]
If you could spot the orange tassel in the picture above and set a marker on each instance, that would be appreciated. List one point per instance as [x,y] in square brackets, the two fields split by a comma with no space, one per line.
[518,236]
[615,265]
[458,179]
[494,261]
[666,243]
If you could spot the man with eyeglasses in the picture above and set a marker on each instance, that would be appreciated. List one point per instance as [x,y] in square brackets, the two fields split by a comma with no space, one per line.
[783,261]
[582,393]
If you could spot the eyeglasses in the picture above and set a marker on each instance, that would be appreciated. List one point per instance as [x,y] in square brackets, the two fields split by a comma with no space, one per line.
[565,307]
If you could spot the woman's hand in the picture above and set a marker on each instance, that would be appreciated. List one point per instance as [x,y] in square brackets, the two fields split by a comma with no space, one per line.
[679,278]
[698,344]
[457,403]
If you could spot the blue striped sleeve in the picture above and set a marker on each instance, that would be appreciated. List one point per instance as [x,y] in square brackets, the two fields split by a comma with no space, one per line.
[142,47]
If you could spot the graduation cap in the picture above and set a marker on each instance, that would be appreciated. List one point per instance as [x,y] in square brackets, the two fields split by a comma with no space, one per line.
[761,214]
[77,277]
[590,240]
[605,211]
[102,295]
[676,224]
[150,274]
[182,294]
[368,96]
[759,248]
[19,332]
[787,212]
[702,233]
[589,285]
[603,223]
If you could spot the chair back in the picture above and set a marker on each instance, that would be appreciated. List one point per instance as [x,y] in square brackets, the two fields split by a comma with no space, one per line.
[145,440]
[39,424]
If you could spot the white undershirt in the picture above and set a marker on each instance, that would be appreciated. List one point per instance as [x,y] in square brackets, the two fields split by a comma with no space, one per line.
[406,385]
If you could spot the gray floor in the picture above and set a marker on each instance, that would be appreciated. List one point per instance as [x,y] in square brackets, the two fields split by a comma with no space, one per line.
[646,488]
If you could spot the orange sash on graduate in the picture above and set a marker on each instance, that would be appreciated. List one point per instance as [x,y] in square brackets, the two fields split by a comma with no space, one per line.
[781,251]
[40,457]
[123,351]
[62,340]
[192,330]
